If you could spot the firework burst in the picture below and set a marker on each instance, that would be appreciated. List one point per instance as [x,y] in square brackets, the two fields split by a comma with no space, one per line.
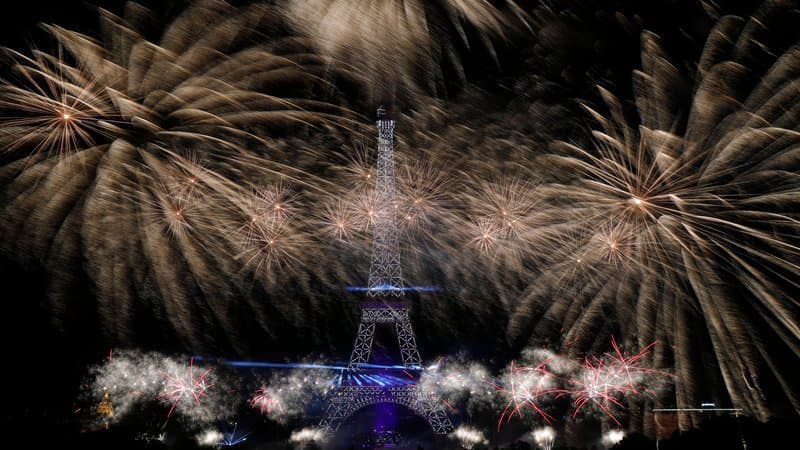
[202,178]
[424,196]
[339,221]
[307,435]
[608,380]
[544,437]
[391,43]
[55,109]
[266,401]
[199,395]
[142,157]
[468,437]
[289,395]
[527,387]
[190,387]
[690,242]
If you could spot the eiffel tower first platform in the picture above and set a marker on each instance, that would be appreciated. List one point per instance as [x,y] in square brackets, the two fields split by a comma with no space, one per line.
[385,305]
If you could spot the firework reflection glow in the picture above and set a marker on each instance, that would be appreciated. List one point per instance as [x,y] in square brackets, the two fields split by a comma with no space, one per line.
[544,437]
[468,437]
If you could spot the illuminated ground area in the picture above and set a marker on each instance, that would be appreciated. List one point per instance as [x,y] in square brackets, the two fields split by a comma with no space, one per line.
[717,434]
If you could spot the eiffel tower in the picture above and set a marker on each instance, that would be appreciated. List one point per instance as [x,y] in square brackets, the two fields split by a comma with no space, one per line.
[384,305]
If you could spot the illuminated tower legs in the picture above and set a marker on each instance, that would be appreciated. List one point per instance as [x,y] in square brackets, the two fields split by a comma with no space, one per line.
[398,316]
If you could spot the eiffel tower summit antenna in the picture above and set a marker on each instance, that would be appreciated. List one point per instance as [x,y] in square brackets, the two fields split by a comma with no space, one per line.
[384,305]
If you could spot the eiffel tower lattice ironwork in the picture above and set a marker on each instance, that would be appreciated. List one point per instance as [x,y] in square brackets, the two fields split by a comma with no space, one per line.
[385,306]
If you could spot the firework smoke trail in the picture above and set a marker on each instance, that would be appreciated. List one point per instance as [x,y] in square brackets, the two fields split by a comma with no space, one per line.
[543,381]
[285,396]
[141,158]
[402,45]
[203,395]
[462,385]
[132,379]
[173,147]
[688,221]
[143,163]
[129,378]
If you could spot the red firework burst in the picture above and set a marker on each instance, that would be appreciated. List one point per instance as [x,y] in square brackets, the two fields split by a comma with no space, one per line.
[527,387]
[265,401]
[606,380]
[188,387]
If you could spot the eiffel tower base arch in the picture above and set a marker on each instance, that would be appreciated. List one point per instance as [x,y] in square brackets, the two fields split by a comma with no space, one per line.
[347,400]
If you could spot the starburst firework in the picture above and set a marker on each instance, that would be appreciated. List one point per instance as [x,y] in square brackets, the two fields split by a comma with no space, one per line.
[265,401]
[526,388]
[692,219]
[140,158]
[608,380]
[189,387]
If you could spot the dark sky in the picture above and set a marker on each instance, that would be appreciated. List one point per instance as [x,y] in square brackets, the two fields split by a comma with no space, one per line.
[20,27]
